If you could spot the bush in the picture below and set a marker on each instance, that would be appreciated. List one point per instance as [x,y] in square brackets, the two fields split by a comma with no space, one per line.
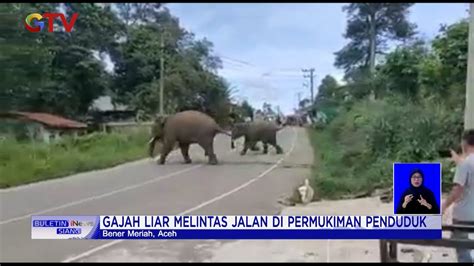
[415,132]
[355,152]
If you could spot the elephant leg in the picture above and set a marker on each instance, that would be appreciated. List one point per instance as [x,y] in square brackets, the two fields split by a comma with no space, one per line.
[246,146]
[167,148]
[254,147]
[273,142]
[208,146]
[265,147]
[185,152]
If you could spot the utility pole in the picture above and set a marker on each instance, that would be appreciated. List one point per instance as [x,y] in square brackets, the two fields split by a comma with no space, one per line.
[299,98]
[162,72]
[311,78]
[469,111]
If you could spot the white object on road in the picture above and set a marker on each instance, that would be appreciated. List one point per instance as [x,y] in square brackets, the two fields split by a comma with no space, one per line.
[306,192]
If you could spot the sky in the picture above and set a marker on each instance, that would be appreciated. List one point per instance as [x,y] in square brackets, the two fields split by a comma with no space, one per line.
[264,47]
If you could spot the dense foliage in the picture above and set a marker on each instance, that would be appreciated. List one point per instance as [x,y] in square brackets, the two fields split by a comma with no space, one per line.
[63,73]
[416,112]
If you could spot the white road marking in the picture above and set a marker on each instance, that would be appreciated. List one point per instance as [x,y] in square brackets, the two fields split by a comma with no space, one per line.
[99,248]
[100,196]
[106,194]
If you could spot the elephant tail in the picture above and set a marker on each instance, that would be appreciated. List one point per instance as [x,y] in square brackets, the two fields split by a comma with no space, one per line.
[220,130]
[151,146]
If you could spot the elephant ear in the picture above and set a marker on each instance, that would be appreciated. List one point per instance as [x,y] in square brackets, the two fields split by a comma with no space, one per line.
[163,120]
[158,125]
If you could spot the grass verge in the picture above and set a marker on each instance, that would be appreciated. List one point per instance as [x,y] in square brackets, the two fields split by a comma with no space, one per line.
[333,177]
[25,162]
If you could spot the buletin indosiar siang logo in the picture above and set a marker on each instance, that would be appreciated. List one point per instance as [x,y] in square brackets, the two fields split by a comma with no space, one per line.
[36,22]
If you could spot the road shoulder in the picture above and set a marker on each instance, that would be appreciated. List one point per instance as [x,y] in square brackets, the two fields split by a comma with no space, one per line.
[326,250]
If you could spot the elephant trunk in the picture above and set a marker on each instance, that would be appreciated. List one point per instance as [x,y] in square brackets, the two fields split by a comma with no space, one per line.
[232,145]
[151,146]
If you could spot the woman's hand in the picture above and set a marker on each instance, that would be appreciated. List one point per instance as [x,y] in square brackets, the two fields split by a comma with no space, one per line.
[423,202]
[407,200]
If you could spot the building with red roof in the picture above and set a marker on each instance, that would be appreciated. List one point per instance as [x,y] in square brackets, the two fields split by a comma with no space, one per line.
[43,126]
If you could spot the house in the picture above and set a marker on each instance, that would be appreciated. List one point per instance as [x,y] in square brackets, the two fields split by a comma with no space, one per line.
[39,126]
[103,115]
[103,110]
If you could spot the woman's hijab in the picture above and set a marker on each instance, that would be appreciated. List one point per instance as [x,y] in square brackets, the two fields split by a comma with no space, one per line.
[414,207]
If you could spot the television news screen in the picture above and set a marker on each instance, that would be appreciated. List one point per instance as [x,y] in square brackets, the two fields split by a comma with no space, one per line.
[236,132]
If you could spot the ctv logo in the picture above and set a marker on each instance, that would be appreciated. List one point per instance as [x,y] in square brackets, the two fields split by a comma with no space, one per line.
[35,22]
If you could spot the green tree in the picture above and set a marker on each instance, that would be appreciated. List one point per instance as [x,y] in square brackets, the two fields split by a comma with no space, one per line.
[443,72]
[137,69]
[248,109]
[97,27]
[328,87]
[241,111]
[190,80]
[77,77]
[25,56]
[401,70]
[133,13]
[304,103]
[63,75]
[370,26]
[267,109]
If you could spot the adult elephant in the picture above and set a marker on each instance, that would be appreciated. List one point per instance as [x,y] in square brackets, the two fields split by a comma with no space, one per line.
[254,132]
[185,128]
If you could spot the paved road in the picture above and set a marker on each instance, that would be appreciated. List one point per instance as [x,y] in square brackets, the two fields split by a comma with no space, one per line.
[239,185]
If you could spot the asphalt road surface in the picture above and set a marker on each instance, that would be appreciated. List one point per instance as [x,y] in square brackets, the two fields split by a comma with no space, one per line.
[239,185]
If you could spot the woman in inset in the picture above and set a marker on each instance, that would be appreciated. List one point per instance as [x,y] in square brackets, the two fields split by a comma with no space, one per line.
[417,199]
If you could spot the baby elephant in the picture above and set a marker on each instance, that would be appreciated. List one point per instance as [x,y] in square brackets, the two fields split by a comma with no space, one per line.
[254,132]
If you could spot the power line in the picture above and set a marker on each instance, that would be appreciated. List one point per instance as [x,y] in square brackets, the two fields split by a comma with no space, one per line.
[242,63]
[230,65]
[264,75]
[236,60]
